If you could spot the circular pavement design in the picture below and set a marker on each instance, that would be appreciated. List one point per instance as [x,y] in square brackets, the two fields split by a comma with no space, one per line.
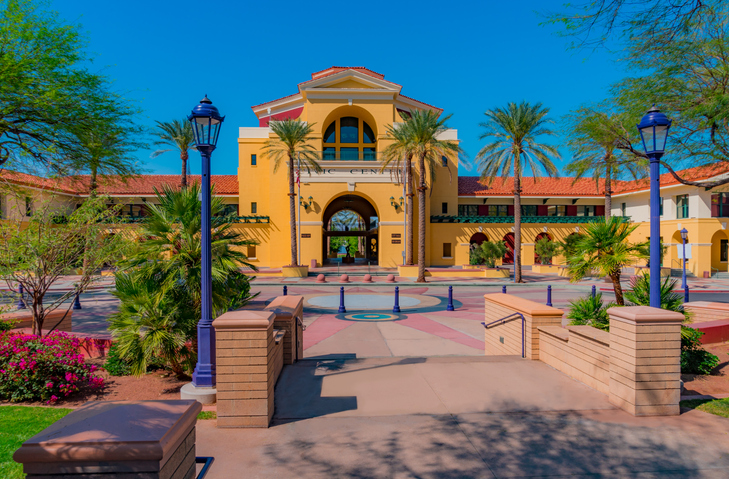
[363,301]
[372,317]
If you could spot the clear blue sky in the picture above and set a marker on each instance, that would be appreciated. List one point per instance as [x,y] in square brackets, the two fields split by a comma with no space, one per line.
[462,57]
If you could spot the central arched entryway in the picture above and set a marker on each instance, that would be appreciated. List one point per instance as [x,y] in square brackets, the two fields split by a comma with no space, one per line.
[350,226]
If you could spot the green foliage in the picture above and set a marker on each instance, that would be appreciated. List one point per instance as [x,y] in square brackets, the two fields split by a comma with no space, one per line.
[114,364]
[604,248]
[205,415]
[546,249]
[487,253]
[695,359]
[568,247]
[38,252]
[43,369]
[179,135]
[159,283]
[591,311]
[17,425]
[47,93]
[513,135]
[639,294]
[336,242]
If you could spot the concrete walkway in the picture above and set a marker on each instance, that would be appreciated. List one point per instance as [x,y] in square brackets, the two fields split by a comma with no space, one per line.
[458,418]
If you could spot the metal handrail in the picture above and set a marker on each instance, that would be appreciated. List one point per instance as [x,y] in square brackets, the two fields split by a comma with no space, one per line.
[509,318]
[206,461]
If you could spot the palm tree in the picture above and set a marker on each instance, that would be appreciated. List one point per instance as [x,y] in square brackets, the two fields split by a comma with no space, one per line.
[159,283]
[423,129]
[401,149]
[604,248]
[106,154]
[179,135]
[293,144]
[513,133]
[595,136]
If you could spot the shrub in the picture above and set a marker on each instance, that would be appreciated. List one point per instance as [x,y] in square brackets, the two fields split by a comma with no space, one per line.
[590,311]
[115,364]
[487,253]
[694,359]
[546,249]
[639,295]
[43,369]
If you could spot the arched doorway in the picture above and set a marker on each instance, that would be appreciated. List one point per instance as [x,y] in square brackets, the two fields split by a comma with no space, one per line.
[509,255]
[539,236]
[719,251]
[478,238]
[354,218]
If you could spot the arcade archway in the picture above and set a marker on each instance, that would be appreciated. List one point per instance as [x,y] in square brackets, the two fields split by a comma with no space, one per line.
[350,216]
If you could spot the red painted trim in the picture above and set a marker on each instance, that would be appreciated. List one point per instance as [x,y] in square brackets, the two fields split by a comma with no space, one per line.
[291,114]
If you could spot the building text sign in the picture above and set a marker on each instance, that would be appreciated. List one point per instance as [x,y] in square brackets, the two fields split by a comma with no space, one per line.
[350,173]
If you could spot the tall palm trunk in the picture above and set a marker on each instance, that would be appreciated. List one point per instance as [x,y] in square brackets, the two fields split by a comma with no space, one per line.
[615,277]
[421,220]
[409,210]
[292,211]
[184,156]
[608,192]
[517,219]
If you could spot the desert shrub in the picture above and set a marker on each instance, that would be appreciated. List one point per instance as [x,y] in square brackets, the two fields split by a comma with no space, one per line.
[115,364]
[590,311]
[488,253]
[49,368]
[639,294]
[546,249]
[695,359]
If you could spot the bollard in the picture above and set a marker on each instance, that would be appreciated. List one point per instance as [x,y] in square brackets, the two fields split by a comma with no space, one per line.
[341,300]
[593,291]
[76,302]
[450,299]
[286,290]
[549,295]
[21,304]
[396,308]
[503,289]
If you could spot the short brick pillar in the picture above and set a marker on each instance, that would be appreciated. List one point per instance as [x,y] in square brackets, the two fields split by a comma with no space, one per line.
[249,356]
[645,362]
[289,311]
[151,439]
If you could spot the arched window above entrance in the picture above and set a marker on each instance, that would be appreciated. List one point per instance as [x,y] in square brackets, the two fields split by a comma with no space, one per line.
[348,139]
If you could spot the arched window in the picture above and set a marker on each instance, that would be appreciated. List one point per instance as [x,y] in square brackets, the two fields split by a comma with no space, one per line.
[356,140]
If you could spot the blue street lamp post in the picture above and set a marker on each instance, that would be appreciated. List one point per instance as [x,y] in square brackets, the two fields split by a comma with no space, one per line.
[205,120]
[653,128]
[684,237]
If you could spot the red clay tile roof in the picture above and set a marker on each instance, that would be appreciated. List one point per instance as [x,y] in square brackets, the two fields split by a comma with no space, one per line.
[696,173]
[334,70]
[23,179]
[271,101]
[145,184]
[140,185]
[472,186]
[413,99]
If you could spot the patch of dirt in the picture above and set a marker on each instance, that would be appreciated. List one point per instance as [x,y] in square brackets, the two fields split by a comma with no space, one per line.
[718,382]
[154,385]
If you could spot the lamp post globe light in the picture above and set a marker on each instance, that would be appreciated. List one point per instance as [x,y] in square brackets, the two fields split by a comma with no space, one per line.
[684,237]
[653,128]
[206,122]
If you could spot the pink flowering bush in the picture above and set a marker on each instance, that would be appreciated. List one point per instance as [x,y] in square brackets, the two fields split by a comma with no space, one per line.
[46,368]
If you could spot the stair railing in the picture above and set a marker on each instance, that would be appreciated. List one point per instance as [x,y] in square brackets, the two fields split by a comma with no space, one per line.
[506,319]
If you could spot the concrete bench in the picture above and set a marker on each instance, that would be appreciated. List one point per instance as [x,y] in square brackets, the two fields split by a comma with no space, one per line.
[24,319]
[150,439]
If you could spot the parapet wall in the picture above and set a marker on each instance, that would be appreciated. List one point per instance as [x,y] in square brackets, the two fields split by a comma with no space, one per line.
[637,364]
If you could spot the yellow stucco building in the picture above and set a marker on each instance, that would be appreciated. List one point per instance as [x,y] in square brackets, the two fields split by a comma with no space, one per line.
[350,109]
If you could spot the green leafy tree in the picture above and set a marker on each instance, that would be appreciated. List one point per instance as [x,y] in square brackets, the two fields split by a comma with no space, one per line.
[513,144]
[590,311]
[546,249]
[595,135]
[159,283]
[402,150]
[424,127]
[178,135]
[293,144]
[37,252]
[605,248]
[488,253]
[567,247]
[47,94]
